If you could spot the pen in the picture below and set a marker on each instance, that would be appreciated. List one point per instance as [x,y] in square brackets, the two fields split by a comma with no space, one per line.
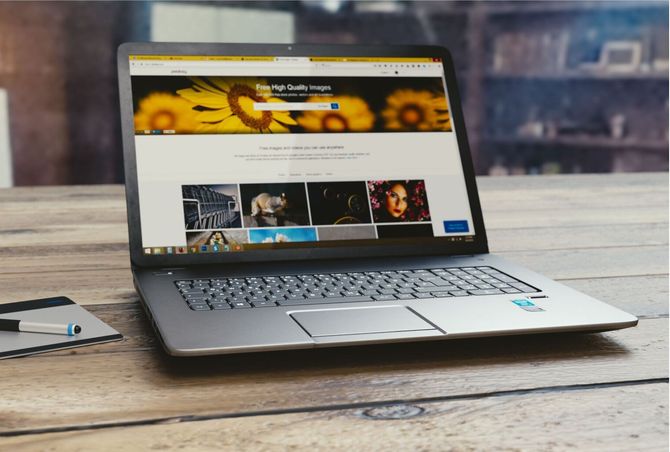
[69,329]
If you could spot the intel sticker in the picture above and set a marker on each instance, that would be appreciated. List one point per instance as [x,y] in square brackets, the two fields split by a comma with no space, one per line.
[527,305]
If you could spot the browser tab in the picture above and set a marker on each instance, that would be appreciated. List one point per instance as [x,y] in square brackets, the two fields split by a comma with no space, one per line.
[292,59]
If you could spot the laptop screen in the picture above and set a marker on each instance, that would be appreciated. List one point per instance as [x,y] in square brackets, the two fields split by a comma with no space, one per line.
[242,153]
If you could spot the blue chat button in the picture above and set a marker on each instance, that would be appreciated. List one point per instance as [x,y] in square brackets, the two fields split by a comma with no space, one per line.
[334,106]
[456,226]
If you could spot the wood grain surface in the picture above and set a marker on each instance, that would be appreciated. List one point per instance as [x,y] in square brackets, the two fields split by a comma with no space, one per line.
[605,235]
[583,418]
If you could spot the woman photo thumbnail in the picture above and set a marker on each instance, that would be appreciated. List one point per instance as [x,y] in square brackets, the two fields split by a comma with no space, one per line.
[338,203]
[211,206]
[282,235]
[221,238]
[271,205]
[398,201]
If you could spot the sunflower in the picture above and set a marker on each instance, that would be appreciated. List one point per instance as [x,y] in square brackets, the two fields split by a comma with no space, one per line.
[407,109]
[353,115]
[165,111]
[228,106]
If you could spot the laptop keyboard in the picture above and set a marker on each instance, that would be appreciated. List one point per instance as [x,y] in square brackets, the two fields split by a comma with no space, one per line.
[300,290]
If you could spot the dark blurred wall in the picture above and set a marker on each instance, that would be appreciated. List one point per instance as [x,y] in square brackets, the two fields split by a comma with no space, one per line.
[58,64]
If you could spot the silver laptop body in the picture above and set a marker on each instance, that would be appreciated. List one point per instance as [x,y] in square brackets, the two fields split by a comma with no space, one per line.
[298,196]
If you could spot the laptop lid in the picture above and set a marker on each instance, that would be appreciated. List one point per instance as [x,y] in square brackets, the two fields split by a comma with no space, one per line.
[241,153]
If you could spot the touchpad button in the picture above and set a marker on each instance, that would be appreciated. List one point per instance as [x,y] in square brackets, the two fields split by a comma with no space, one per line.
[346,321]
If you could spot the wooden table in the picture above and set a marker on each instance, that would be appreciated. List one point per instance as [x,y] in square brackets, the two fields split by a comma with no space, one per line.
[606,235]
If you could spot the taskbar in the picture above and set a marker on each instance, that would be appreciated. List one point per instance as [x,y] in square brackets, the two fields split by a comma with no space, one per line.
[238,247]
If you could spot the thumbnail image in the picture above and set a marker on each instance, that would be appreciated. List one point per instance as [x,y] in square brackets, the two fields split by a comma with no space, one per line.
[405,230]
[282,235]
[347,233]
[220,238]
[270,205]
[338,202]
[398,201]
[211,206]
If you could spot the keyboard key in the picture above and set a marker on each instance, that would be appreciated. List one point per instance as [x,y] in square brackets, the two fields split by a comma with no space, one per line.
[383,297]
[235,299]
[241,305]
[466,287]
[425,289]
[485,292]
[425,284]
[511,290]
[263,304]
[220,306]
[325,300]
[441,294]
[197,301]
[450,288]
[200,307]
[404,296]
[523,287]
[459,293]
[484,286]
[442,283]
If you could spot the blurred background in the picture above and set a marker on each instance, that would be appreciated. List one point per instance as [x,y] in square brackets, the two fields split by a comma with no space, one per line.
[547,86]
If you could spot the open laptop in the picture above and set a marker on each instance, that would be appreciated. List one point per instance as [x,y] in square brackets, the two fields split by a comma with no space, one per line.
[298,196]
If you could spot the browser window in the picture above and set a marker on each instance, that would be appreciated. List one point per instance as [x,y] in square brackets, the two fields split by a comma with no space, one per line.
[236,153]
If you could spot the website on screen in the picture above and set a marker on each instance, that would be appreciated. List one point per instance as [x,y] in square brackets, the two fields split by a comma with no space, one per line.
[239,153]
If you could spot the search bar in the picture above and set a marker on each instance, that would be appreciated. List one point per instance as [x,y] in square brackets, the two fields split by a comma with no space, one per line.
[295,106]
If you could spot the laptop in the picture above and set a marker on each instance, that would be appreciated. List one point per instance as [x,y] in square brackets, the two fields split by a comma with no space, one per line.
[304,196]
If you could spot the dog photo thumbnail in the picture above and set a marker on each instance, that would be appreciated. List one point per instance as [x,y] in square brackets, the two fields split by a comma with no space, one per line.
[271,205]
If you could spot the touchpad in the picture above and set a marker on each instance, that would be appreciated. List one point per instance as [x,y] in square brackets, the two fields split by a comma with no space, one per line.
[366,320]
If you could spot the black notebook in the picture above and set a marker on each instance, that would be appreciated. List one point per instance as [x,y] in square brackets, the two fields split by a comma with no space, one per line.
[51,310]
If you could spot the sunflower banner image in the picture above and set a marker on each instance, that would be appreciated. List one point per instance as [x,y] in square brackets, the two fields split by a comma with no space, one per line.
[227,106]
[411,110]
[310,104]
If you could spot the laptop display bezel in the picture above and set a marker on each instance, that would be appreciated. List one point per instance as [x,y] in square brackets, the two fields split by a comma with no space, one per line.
[385,247]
